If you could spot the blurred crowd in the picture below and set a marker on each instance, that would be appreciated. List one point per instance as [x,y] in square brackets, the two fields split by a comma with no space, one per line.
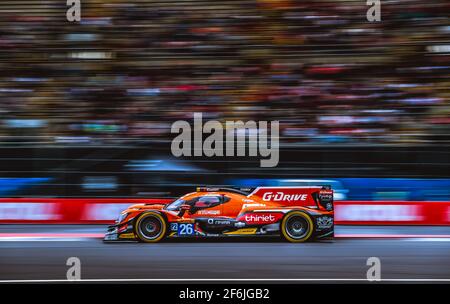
[129,69]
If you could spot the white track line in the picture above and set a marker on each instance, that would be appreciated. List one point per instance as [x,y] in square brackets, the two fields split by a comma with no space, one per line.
[40,237]
[223,280]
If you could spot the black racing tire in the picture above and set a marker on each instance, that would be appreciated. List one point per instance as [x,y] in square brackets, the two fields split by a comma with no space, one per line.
[297,227]
[150,227]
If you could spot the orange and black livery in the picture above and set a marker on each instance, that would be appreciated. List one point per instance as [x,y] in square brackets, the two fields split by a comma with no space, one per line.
[297,214]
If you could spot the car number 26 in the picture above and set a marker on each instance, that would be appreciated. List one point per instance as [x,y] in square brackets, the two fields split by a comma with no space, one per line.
[186,229]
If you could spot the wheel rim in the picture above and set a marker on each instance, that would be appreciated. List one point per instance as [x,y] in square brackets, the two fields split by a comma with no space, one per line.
[297,227]
[150,227]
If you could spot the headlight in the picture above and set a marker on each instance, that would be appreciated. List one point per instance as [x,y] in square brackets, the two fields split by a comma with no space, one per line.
[122,216]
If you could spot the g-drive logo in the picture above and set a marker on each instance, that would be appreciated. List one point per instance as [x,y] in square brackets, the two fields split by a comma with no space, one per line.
[281,196]
[233,133]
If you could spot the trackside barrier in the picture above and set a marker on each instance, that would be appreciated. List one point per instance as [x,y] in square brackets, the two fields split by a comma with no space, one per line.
[105,211]
[66,210]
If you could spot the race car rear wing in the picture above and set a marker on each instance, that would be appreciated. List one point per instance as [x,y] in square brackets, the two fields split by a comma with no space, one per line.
[243,191]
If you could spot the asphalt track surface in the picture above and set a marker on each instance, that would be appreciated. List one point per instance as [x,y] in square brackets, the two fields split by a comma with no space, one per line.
[408,253]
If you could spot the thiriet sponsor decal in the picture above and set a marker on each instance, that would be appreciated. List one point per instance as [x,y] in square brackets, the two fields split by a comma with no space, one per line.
[261,218]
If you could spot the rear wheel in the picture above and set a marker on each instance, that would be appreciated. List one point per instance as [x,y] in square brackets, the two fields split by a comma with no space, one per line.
[297,227]
[150,227]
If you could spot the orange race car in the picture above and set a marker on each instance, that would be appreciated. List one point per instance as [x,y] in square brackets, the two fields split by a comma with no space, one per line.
[298,214]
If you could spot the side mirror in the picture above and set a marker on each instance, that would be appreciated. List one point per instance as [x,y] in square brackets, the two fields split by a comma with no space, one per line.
[183,209]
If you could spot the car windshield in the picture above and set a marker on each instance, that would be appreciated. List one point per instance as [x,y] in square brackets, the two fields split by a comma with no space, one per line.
[175,205]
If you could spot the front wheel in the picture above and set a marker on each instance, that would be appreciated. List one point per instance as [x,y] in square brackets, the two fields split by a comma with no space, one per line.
[297,227]
[150,227]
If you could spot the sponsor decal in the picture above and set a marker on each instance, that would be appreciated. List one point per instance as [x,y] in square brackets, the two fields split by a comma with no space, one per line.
[209,212]
[243,231]
[29,211]
[239,224]
[103,212]
[376,213]
[326,192]
[324,222]
[283,197]
[261,218]
[127,236]
[219,222]
[326,195]
[174,226]
[253,205]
